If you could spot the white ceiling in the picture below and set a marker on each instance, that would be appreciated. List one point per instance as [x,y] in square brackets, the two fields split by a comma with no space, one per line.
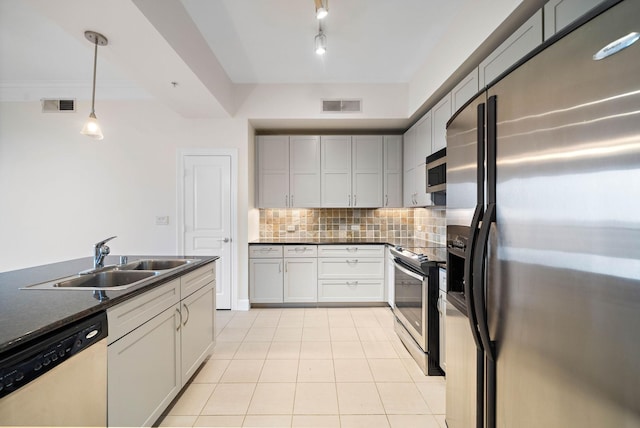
[369,41]
[219,49]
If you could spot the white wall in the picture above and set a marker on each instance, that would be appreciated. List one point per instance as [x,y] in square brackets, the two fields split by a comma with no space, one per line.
[60,192]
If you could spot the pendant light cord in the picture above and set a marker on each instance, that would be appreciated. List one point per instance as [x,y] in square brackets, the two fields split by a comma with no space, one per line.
[95,62]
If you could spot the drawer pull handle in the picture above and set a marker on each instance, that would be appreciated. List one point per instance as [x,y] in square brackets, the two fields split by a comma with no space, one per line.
[352,249]
[352,283]
[352,261]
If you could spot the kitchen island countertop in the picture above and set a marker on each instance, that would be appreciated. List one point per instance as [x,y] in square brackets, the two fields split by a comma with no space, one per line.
[27,314]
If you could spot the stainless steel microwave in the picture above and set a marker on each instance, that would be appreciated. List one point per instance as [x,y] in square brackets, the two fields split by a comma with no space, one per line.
[436,165]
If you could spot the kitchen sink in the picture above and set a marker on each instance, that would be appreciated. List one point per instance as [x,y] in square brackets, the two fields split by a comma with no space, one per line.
[153,264]
[113,277]
[106,279]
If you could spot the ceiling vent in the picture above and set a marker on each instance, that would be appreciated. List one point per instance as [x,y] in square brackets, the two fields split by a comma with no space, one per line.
[342,106]
[56,106]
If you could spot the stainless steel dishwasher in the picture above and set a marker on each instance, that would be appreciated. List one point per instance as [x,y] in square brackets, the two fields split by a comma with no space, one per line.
[59,379]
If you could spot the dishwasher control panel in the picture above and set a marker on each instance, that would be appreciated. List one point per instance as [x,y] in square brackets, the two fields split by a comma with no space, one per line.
[27,362]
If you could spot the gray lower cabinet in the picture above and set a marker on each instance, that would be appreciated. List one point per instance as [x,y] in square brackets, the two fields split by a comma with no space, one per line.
[156,343]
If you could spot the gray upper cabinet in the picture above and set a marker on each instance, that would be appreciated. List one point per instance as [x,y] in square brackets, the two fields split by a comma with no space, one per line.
[520,43]
[273,171]
[335,170]
[304,171]
[367,171]
[441,113]
[560,13]
[288,171]
[392,171]
[465,90]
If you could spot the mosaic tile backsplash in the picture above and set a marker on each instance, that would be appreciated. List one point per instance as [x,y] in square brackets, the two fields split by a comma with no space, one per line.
[383,223]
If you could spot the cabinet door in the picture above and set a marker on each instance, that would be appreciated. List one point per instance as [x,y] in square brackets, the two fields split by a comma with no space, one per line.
[520,43]
[143,371]
[441,115]
[304,171]
[560,13]
[423,199]
[408,188]
[464,91]
[424,139]
[409,149]
[301,280]
[393,196]
[367,172]
[197,330]
[335,168]
[265,280]
[273,171]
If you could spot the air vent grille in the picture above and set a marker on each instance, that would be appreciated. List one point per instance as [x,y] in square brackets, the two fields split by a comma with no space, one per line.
[58,106]
[342,106]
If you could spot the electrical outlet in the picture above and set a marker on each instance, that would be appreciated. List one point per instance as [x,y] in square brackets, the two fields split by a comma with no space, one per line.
[291,228]
[355,227]
[162,220]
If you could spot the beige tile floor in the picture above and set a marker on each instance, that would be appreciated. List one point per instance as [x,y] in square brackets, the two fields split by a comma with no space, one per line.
[312,367]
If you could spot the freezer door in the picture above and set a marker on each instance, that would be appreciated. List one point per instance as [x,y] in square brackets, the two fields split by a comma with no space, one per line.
[462,164]
[564,253]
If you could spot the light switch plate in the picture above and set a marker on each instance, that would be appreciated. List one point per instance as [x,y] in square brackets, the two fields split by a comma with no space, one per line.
[162,220]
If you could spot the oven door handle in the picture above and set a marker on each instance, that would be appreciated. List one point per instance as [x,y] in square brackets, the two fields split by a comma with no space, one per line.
[409,272]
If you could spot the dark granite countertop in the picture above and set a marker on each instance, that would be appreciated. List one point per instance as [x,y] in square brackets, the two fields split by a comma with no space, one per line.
[27,314]
[403,242]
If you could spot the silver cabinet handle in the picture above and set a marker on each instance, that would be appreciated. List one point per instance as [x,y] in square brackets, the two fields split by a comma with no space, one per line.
[187,309]
[352,261]
[286,201]
[349,200]
[355,200]
[350,249]
[286,267]
[280,267]
[350,283]
[292,201]
[180,323]
[386,200]
[224,240]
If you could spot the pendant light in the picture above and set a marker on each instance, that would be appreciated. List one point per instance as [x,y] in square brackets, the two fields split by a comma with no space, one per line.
[91,127]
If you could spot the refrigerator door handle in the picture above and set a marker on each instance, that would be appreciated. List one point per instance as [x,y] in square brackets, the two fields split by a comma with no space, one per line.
[468,277]
[479,281]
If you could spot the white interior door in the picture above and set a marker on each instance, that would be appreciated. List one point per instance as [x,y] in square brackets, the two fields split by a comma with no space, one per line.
[207,216]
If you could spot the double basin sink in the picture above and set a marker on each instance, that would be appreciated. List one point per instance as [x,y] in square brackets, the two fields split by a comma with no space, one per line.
[114,277]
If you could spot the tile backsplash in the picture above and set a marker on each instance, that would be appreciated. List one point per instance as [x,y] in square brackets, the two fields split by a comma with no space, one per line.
[384,223]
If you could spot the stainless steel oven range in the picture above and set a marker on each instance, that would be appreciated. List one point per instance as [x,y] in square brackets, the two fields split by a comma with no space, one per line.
[415,303]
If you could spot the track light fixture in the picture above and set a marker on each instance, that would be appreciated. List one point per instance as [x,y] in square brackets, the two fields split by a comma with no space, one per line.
[321,42]
[322,8]
[91,127]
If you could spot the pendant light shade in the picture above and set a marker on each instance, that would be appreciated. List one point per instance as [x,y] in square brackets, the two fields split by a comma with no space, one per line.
[91,127]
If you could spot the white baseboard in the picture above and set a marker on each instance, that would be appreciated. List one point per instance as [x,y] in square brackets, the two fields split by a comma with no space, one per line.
[242,305]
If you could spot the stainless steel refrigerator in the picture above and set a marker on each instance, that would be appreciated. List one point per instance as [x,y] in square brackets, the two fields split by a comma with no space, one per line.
[543,225]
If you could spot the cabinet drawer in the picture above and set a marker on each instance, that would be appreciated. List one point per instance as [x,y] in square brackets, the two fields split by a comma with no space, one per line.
[351,268]
[128,316]
[300,250]
[197,279]
[351,291]
[262,251]
[351,251]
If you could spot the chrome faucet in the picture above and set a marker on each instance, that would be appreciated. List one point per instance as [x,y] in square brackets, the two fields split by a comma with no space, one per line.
[100,251]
